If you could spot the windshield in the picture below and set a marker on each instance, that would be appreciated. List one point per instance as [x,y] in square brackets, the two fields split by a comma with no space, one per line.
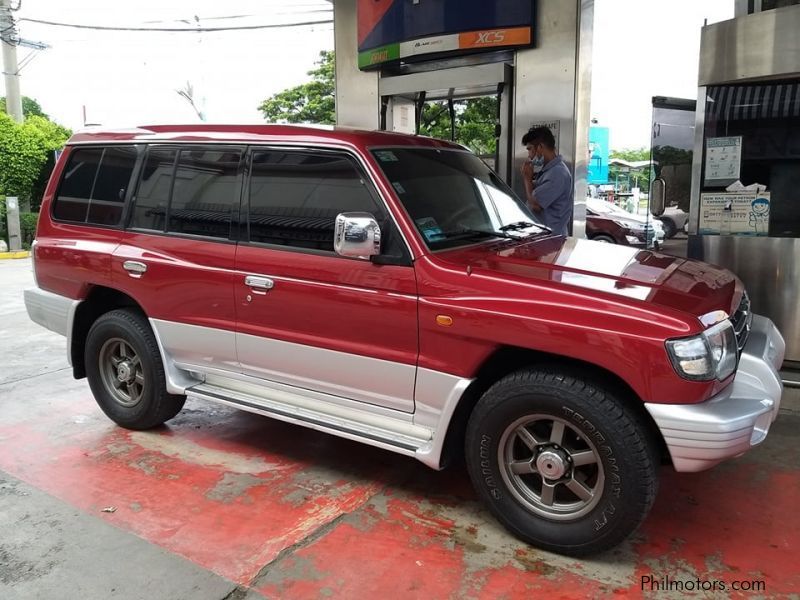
[453,197]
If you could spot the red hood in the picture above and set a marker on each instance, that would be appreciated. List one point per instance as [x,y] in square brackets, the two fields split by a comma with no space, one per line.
[687,285]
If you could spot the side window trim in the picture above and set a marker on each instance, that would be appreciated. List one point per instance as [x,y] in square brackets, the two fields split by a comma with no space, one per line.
[359,167]
[133,186]
[144,157]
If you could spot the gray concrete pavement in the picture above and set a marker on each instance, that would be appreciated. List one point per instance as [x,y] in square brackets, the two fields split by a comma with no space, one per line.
[51,550]
[26,349]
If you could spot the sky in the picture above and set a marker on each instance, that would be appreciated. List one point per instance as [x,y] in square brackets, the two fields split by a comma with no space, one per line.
[642,48]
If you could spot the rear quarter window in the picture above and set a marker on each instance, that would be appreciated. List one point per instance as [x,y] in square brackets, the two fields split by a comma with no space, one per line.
[95,185]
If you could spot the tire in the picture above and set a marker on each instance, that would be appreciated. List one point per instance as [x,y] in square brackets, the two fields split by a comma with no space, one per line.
[618,488]
[125,372]
[605,239]
[669,228]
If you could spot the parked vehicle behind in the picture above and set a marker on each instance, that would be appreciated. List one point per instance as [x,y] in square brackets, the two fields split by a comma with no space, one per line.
[673,220]
[391,289]
[609,223]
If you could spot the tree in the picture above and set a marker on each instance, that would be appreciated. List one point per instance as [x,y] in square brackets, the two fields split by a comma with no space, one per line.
[474,123]
[312,102]
[30,107]
[27,155]
[636,177]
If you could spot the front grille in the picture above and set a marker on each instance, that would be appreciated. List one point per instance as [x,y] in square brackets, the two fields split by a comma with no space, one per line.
[741,320]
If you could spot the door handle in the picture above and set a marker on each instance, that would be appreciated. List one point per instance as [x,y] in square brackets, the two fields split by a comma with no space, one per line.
[134,268]
[260,285]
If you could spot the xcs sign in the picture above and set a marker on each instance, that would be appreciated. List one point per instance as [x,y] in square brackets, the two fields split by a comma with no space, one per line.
[491,37]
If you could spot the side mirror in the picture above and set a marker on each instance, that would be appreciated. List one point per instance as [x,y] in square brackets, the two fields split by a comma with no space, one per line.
[658,192]
[357,235]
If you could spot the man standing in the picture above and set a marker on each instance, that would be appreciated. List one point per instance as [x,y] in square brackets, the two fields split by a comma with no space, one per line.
[551,195]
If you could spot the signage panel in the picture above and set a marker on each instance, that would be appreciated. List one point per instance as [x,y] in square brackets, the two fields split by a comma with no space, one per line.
[414,30]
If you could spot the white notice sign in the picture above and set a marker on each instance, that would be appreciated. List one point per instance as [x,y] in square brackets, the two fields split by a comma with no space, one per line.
[723,158]
[743,213]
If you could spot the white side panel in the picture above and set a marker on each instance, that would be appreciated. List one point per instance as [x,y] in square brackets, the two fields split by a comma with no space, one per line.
[199,347]
[437,397]
[361,378]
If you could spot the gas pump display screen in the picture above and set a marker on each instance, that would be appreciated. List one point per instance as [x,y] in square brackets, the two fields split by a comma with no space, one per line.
[415,30]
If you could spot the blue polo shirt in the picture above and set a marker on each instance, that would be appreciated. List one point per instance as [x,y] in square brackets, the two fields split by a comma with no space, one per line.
[554,192]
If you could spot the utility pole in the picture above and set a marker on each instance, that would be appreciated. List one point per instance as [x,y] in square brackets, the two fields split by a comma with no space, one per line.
[10,39]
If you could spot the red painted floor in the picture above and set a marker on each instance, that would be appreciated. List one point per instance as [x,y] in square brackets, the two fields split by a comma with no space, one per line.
[298,514]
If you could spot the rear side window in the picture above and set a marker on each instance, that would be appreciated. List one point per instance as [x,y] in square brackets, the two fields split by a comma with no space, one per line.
[155,186]
[295,197]
[205,192]
[191,191]
[95,185]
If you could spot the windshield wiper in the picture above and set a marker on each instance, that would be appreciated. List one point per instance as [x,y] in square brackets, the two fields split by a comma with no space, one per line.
[468,233]
[524,225]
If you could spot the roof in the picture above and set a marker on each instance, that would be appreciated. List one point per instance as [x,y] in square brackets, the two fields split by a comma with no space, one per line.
[632,164]
[255,134]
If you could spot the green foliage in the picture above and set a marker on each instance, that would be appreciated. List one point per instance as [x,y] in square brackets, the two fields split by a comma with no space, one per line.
[3,224]
[474,123]
[27,225]
[669,155]
[30,107]
[631,154]
[624,179]
[312,102]
[27,155]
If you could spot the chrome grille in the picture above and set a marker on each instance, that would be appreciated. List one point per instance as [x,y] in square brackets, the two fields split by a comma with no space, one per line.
[741,320]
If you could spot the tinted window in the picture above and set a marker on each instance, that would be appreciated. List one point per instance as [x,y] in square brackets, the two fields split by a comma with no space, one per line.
[453,197]
[295,197]
[205,192]
[94,186]
[111,185]
[152,196]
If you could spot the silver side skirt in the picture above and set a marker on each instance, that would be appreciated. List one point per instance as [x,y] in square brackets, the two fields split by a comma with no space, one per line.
[307,408]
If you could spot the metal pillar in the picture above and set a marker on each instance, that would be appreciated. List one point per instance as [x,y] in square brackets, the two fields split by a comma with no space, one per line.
[10,66]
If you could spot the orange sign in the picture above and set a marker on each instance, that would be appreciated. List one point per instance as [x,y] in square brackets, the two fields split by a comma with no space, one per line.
[517,36]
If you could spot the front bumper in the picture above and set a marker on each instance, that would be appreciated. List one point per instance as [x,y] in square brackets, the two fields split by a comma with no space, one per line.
[700,436]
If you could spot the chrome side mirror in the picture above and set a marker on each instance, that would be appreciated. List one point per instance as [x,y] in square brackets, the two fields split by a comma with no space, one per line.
[357,235]
[658,192]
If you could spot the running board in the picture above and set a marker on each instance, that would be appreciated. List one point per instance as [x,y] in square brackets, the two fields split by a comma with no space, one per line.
[303,407]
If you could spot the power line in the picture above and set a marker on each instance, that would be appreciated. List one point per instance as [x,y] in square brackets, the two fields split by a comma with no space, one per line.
[176,29]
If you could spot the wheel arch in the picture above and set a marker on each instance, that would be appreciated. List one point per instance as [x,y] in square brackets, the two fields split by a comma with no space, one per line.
[99,301]
[506,360]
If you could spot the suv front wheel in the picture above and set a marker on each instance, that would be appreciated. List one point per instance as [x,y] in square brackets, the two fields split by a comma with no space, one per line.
[560,461]
[125,371]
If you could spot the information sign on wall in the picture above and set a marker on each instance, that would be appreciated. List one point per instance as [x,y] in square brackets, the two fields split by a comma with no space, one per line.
[723,158]
[745,213]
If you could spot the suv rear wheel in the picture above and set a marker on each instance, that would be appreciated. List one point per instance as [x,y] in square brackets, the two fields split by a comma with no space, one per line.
[125,371]
[560,461]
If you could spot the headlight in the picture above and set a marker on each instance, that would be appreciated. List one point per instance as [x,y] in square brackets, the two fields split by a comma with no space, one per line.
[632,225]
[712,354]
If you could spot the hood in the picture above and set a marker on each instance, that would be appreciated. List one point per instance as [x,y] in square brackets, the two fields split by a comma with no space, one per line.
[689,286]
[624,217]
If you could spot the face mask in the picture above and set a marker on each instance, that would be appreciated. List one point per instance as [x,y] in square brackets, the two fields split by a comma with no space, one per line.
[538,163]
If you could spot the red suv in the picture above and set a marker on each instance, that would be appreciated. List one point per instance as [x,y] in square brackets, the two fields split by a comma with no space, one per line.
[393,290]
